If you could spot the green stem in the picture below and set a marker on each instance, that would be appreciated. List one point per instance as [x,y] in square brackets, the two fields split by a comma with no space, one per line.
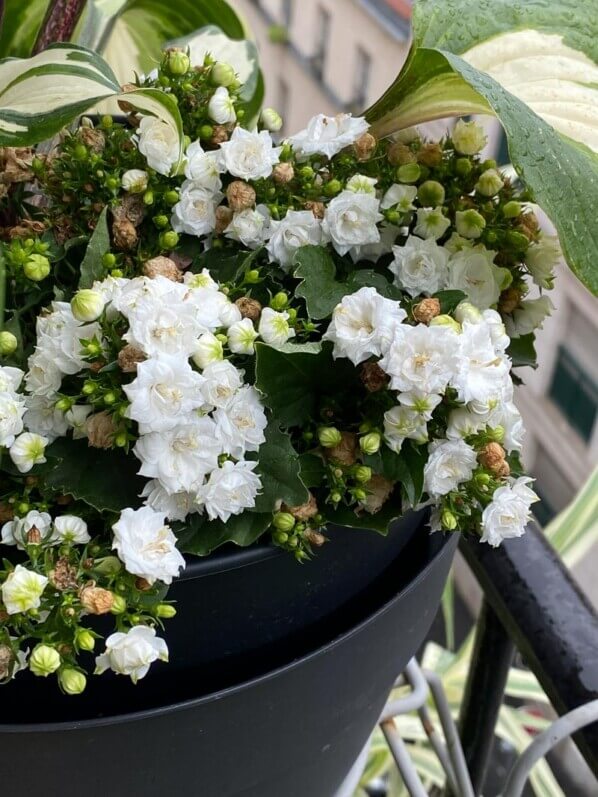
[2,290]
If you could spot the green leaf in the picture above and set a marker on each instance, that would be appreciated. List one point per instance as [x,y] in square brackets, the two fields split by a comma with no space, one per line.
[319,287]
[411,470]
[313,469]
[295,378]
[20,23]
[99,243]
[492,64]
[224,265]
[378,521]
[279,469]
[201,536]
[449,300]
[106,480]
[522,351]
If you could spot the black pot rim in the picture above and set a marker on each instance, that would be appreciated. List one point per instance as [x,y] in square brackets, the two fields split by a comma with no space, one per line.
[228,557]
[449,544]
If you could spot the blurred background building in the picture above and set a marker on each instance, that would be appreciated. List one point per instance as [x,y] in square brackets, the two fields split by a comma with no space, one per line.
[340,55]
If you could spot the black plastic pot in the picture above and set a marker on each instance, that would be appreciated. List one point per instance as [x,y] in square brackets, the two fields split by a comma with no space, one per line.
[278,675]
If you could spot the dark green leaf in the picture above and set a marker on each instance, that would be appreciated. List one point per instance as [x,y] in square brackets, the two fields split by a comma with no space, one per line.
[225,265]
[200,536]
[99,243]
[313,469]
[522,351]
[449,300]
[279,468]
[20,23]
[322,292]
[410,470]
[378,521]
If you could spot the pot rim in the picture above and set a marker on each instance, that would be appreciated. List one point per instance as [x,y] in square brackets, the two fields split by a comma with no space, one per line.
[448,546]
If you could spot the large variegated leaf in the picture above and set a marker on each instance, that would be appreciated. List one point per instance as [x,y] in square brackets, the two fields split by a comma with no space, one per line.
[575,530]
[39,95]
[20,23]
[534,66]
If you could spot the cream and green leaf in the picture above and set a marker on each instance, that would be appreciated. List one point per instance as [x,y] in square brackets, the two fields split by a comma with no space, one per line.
[533,65]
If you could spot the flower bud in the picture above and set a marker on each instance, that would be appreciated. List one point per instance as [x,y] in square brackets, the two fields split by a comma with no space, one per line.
[370,443]
[240,195]
[134,181]
[469,223]
[208,350]
[119,605]
[448,520]
[489,183]
[108,565]
[168,239]
[271,120]
[329,436]
[87,305]
[430,194]
[252,276]
[492,456]
[165,610]
[512,209]
[409,173]
[177,62]
[85,640]
[466,311]
[332,187]
[362,474]
[516,240]
[283,521]
[8,343]
[365,146]
[222,74]
[463,167]
[497,434]
[426,310]
[44,660]
[446,321]
[37,268]
[279,301]
[399,154]
[73,682]
[468,137]
[283,173]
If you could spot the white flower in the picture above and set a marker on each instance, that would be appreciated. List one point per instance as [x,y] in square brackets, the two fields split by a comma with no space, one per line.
[421,358]
[76,418]
[43,418]
[10,379]
[230,489]
[420,266]
[240,426]
[274,327]
[12,409]
[70,528]
[363,324]
[351,220]
[298,228]
[402,422]
[360,184]
[250,227]
[327,135]
[463,423]
[134,181]
[110,289]
[482,374]
[469,223]
[431,223]
[208,349]
[44,376]
[450,463]
[146,545]
[400,197]
[204,168]
[541,258]
[132,653]
[181,457]
[28,450]
[473,272]
[195,212]
[241,337]
[509,513]
[164,394]
[221,382]
[509,417]
[489,183]
[496,328]
[221,107]
[271,120]
[201,279]
[421,403]
[374,251]
[249,156]
[530,315]
[159,142]
[468,137]
[456,243]
[58,349]
[87,305]
[175,506]
[22,590]
[15,531]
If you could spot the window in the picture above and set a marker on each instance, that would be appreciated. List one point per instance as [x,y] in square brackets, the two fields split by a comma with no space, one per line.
[322,36]
[361,80]
[575,392]
[502,155]
[552,487]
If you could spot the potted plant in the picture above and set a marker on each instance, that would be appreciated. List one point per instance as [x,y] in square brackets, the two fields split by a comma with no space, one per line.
[209,337]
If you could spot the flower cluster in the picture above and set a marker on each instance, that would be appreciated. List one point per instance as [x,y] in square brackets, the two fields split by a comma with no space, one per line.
[311,330]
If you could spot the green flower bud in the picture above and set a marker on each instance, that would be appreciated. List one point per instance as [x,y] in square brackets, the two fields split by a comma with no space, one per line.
[512,209]
[279,301]
[64,404]
[497,434]
[465,311]
[87,305]
[370,443]
[37,268]
[336,497]
[222,74]
[483,479]
[329,436]
[283,521]
[148,198]
[92,349]
[431,193]
[161,221]
[392,216]
[8,343]
[73,682]
[409,173]
[448,520]
[252,276]
[362,474]
[469,223]
[108,565]
[23,508]
[108,260]
[206,131]
[107,121]
[332,188]
[112,183]
[119,605]
[165,610]
[110,398]
[177,62]
[280,537]
[117,273]
[121,439]
[490,163]
[80,152]
[445,320]
[271,120]
[89,388]
[489,183]
[44,660]
[168,239]
[85,640]
[463,167]
[516,240]
[171,197]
